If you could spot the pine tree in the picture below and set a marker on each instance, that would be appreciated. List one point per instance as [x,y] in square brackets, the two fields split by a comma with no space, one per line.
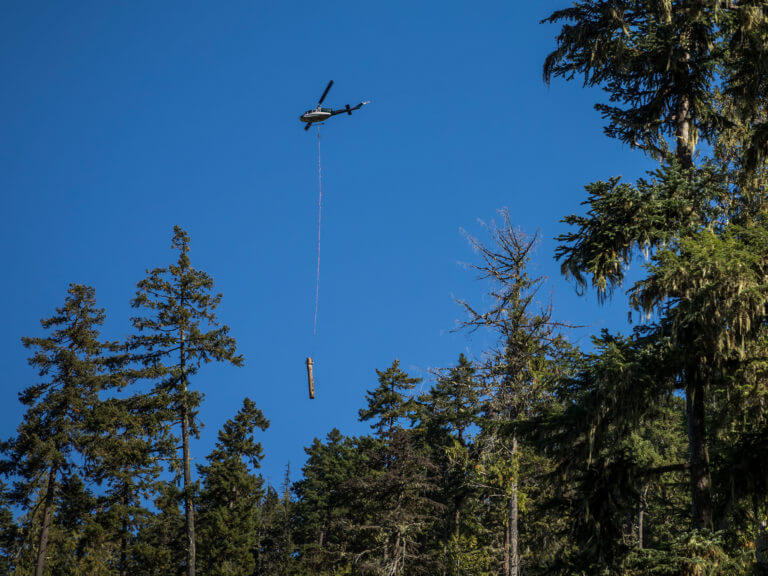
[322,509]
[231,495]
[77,544]
[54,433]
[448,416]
[517,370]
[662,64]
[8,532]
[394,493]
[453,402]
[277,551]
[388,404]
[618,439]
[129,443]
[159,548]
[177,333]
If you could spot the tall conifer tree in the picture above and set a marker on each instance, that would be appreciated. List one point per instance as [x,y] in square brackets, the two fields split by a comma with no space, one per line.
[397,486]
[130,441]
[516,371]
[178,332]
[230,496]
[54,433]
[389,403]
[659,64]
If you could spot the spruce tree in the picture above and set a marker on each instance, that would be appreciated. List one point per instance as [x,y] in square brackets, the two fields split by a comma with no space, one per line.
[662,65]
[388,403]
[54,435]
[159,549]
[322,508]
[395,490]
[8,532]
[231,495]
[517,370]
[453,402]
[130,442]
[177,333]
[448,417]
[276,553]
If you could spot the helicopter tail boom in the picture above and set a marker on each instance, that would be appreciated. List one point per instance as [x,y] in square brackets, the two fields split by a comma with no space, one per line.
[349,109]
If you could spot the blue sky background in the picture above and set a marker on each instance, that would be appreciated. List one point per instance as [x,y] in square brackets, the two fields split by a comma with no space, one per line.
[119,120]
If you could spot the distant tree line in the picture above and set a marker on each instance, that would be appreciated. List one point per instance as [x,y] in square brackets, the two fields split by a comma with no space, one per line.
[646,454]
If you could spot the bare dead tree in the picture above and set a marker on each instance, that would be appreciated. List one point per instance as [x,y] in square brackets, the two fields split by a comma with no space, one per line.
[528,338]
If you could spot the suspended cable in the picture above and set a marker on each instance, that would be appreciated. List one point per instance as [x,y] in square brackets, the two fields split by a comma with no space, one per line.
[310,363]
[319,226]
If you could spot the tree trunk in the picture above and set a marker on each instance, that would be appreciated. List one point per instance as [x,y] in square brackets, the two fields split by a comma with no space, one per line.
[123,568]
[701,483]
[683,133]
[507,565]
[42,548]
[124,549]
[457,518]
[514,560]
[641,517]
[189,509]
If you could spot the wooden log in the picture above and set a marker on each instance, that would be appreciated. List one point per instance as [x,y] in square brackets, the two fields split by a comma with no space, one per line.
[310,379]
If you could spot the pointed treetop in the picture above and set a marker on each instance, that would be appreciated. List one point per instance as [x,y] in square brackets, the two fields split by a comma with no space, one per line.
[236,436]
[180,239]
[389,401]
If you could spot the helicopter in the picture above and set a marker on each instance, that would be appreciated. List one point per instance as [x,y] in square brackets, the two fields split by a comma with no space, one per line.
[319,114]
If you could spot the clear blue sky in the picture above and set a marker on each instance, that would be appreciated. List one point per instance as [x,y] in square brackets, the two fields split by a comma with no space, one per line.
[120,119]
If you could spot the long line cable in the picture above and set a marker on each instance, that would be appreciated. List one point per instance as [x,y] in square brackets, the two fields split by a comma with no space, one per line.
[319,226]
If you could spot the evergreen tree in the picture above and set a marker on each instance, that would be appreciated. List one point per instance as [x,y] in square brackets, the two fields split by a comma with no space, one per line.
[177,333]
[129,443]
[448,416]
[322,509]
[517,383]
[8,532]
[453,402]
[394,492]
[53,435]
[277,551]
[619,445]
[662,64]
[77,543]
[231,495]
[388,404]
[159,549]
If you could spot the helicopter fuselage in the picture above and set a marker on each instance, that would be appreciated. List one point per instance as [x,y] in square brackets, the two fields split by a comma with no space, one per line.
[316,115]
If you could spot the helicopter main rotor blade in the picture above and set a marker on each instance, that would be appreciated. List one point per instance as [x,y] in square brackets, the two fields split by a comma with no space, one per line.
[327,88]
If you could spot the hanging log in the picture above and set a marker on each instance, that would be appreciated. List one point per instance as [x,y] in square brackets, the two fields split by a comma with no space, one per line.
[310,379]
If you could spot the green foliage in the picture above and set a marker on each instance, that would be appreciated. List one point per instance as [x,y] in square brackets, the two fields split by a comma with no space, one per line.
[464,556]
[323,505]
[656,60]
[159,548]
[177,329]
[8,531]
[229,529]
[623,220]
[177,333]
[688,554]
[387,403]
